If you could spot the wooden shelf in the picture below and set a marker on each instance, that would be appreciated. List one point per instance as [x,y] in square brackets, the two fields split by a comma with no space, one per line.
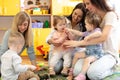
[41,15]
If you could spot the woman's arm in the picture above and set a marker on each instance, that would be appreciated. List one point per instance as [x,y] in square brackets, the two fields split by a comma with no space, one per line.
[75,32]
[102,38]
[31,54]
[4,45]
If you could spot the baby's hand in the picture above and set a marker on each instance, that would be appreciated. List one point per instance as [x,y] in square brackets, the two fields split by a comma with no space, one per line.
[67,30]
[32,67]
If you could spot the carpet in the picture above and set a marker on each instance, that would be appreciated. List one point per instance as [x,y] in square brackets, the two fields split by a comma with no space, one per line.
[44,75]
[115,76]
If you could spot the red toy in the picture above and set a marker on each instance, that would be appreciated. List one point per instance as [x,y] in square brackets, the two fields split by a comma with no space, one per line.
[43,50]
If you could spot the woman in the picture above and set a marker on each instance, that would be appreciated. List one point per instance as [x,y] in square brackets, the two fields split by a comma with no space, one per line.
[74,21]
[110,30]
[21,23]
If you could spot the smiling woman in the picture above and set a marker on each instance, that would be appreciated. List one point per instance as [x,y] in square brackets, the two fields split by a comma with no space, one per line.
[21,23]
[109,38]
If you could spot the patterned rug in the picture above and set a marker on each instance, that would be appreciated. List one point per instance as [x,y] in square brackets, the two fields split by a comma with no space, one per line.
[44,75]
[115,76]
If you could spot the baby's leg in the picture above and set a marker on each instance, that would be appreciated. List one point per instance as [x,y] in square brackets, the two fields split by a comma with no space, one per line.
[55,57]
[53,61]
[67,56]
[86,63]
[77,56]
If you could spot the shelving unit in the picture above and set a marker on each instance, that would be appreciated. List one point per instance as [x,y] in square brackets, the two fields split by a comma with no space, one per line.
[6,17]
[59,8]
[7,12]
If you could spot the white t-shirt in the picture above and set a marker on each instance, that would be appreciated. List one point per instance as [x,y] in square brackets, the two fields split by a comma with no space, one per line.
[11,65]
[111,45]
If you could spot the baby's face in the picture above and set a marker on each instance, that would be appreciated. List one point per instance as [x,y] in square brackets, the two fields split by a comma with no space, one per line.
[61,25]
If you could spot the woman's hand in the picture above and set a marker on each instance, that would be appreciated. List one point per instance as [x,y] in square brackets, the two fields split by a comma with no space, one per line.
[71,43]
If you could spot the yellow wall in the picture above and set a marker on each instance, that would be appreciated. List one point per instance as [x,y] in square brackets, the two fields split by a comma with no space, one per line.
[1,7]
[63,7]
[40,35]
[9,7]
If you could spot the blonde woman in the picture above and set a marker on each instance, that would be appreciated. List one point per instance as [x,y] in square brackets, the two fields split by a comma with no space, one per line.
[21,23]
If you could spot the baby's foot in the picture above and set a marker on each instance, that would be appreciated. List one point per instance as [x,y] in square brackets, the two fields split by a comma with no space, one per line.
[80,77]
[51,72]
[65,71]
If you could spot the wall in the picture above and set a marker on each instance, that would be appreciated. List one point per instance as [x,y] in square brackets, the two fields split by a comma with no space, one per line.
[40,35]
[63,7]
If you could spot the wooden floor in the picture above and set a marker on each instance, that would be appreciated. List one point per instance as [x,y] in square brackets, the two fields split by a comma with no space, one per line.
[39,59]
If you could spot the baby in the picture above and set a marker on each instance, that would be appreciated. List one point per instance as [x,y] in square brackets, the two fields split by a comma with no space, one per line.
[59,51]
[11,67]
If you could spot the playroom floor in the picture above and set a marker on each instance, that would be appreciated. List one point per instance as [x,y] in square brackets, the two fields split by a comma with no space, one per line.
[39,59]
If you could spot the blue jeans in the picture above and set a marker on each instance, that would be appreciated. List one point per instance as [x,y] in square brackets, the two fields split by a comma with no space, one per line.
[94,50]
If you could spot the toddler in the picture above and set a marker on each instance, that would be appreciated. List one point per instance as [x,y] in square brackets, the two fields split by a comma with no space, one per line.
[59,51]
[11,67]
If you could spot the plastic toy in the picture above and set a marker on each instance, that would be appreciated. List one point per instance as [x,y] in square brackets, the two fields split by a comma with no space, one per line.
[41,64]
[43,50]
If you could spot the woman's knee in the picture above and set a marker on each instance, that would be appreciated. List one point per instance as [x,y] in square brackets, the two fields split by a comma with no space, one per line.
[98,70]
[93,74]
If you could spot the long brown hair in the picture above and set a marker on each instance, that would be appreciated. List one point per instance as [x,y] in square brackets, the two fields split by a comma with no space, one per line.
[101,4]
[19,19]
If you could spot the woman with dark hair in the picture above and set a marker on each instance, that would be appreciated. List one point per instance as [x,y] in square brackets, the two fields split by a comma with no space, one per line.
[74,21]
[74,16]
[110,29]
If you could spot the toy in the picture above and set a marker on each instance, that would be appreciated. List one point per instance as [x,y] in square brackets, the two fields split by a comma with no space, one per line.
[44,51]
[41,64]
[37,68]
